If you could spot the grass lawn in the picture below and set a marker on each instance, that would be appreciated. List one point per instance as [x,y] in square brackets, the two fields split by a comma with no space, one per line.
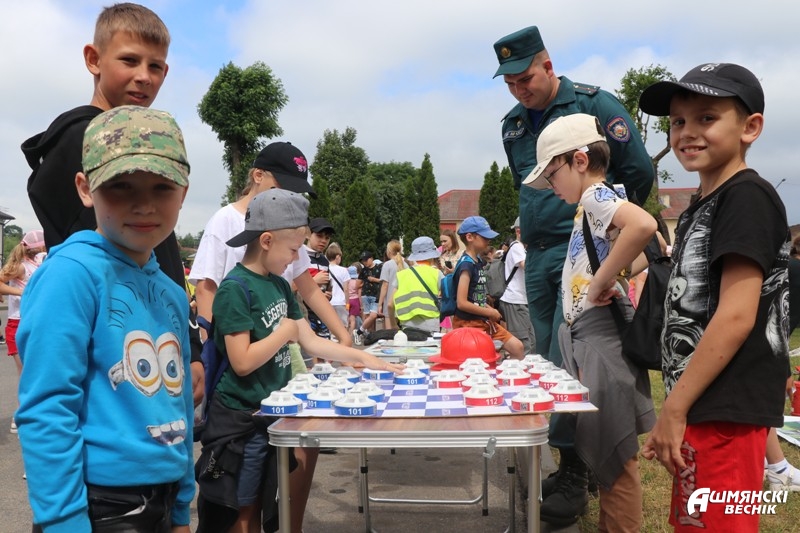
[658,484]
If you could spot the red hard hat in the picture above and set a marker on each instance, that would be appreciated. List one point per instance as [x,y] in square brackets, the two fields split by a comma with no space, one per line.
[464,343]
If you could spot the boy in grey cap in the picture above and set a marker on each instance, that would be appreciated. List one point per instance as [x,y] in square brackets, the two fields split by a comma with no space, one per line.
[253,331]
[105,404]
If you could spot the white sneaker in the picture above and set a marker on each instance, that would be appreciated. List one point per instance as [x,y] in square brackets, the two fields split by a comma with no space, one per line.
[785,480]
[13,426]
[358,338]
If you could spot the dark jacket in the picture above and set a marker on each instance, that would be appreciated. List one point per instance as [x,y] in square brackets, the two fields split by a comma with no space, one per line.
[545,219]
[217,469]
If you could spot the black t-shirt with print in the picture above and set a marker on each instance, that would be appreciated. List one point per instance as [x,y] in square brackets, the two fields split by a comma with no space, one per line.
[746,217]
[369,288]
[477,284]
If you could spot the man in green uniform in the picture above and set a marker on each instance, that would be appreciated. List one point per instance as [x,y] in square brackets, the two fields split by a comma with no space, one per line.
[546,221]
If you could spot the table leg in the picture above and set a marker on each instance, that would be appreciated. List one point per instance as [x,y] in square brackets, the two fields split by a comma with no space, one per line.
[534,489]
[511,471]
[284,510]
[363,474]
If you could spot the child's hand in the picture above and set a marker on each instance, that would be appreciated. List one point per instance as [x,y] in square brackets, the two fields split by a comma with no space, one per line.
[664,441]
[601,294]
[376,363]
[322,277]
[494,315]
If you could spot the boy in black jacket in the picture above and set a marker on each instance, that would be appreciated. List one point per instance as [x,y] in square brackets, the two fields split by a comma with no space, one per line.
[128,61]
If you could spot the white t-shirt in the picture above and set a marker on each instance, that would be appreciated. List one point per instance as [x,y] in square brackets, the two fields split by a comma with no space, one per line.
[515,291]
[600,204]
[341,274]
[214,259]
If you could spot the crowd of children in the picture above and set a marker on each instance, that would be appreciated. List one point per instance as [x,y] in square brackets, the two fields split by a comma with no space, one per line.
[116,363]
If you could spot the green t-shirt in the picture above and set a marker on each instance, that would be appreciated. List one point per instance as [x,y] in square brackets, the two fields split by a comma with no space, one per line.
[270,301]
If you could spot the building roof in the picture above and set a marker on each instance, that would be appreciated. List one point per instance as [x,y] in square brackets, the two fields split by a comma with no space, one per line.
[5,217]
[675,201]
[458,204]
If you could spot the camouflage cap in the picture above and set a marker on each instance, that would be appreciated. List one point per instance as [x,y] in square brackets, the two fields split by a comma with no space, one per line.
[130,138]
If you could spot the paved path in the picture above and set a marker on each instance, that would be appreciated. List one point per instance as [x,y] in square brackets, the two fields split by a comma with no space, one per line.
[410,473]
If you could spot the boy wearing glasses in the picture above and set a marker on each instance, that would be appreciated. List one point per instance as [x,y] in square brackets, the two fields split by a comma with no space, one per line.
[573,155]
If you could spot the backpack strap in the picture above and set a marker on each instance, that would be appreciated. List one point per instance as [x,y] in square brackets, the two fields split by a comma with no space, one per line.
[331,274]
[594,263]
[434,298]
[513,270]
[209,326]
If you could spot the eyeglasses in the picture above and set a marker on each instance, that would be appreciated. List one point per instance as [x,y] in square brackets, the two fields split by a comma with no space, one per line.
[548,177]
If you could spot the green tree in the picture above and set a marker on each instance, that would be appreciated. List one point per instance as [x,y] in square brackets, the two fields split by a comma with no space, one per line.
[358,228]
[321,205]
[389,182]
[188,241]
[339,161]
[632,84]
[421,205]
[242,107]
[498,202]
[12,230]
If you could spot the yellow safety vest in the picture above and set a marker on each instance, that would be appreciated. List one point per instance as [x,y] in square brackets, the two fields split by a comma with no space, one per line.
[411,299]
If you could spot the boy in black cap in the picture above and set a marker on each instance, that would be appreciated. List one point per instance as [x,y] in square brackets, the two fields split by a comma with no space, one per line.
[317,242]
[370,275]
[254,331]
[725,337]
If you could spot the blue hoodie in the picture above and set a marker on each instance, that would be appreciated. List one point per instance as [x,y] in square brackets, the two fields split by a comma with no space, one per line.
[105,393]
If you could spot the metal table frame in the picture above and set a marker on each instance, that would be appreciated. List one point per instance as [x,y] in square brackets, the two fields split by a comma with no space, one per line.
[525,431]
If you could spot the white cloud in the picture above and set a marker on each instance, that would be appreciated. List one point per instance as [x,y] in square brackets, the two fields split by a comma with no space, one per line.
[412,77]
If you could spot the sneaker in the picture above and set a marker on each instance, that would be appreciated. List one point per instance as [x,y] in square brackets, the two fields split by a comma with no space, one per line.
[13,426]
[2,340]
[358,337]
[787,479]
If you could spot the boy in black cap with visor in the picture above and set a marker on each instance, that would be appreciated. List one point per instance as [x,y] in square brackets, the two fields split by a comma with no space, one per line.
[725,336]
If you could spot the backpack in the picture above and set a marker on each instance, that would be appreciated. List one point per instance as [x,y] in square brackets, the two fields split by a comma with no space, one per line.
[641,337]
[214,362]
[641,342]
[447,303]
[496,280]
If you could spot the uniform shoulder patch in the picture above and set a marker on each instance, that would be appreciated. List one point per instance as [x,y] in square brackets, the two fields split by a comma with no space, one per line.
[585,88]
[618,129]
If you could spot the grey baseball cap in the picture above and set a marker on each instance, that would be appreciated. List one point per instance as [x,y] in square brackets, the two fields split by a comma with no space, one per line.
[272,210]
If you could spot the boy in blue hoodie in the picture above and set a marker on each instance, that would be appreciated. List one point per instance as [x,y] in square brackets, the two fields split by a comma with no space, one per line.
[105,415]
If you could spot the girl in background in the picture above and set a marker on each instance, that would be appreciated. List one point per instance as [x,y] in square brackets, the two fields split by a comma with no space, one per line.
[23,261]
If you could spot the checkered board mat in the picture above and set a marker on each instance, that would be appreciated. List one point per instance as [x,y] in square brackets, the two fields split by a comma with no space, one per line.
[418,401]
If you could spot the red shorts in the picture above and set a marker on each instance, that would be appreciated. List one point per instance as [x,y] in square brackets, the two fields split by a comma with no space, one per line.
[720,456]
[11,335]
[355,306]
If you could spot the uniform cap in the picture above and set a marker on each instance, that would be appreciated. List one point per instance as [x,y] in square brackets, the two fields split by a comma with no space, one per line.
[515,51]
[710,79]
[270,211]
[288,164]
[564,134]
[128,139]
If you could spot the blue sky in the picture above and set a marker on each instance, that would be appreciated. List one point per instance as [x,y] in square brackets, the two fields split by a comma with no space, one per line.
[411,77]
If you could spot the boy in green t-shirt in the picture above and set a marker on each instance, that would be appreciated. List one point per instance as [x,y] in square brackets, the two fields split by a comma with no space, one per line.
[255,338]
